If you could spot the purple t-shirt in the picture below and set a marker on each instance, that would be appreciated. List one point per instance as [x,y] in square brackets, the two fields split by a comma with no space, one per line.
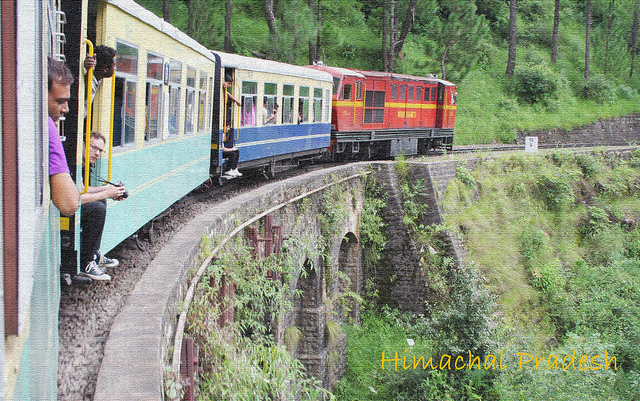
[57,158]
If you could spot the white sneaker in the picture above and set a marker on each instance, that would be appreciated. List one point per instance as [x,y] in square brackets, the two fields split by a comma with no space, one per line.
[93,272]
[234,173]
[104,262]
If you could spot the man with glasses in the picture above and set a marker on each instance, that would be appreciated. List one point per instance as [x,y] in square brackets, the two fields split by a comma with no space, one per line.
[93,211]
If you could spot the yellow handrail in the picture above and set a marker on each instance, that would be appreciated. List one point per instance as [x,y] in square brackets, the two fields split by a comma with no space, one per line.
[225,131]
[239,113]
[364,101]
[113,100]
[355,97]
[89,102]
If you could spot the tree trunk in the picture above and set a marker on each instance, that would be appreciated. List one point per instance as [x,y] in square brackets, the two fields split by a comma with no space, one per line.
[443,59]
[608,37]
[312,47]
[634,37]
[511,62]
[385,35]
[191,23]
[165,10]
[587,42]
[406,26]
[554,37]
[392,36]
[319,37]
[227,26]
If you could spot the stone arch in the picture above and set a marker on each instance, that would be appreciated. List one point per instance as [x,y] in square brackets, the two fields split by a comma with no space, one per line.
[350,279]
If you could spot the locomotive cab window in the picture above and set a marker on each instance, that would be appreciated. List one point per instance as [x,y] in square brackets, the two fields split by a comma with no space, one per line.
[434,91]
[317,104]
[403,92]
[303,105]
[426,94]
[346,90]
[336,85]
[153,98]
[190,102]
[249,101]
[125,97]
[287,104]
[175,81]
[410,95]
[418,93]
[269,102]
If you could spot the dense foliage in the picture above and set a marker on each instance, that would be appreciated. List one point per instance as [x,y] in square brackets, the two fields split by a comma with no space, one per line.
[551,290]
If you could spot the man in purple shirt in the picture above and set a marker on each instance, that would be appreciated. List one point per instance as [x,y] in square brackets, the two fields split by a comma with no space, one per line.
[64,192]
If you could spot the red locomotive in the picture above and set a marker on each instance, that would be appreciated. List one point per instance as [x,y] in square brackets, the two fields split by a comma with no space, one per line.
[381,114]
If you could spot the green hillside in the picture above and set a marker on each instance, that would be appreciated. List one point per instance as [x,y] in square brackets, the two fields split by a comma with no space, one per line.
[541,94]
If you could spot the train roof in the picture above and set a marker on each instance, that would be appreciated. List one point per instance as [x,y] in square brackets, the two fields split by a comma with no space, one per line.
[392,75]
[336,70]
[146,16]
[270,66]
[405,77]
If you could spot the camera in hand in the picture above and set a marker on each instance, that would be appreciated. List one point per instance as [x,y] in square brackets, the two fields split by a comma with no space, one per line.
[121,184]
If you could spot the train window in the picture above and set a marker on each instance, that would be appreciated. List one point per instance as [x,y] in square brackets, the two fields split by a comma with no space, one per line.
[202,101]
[327,105]
[125,98]
[394,91]
[175,81]
[453,98]
[410,94]
[287,104]
[418,93]
[269,102]
[346,91]
[440,96]
[359,90]
[336,84]
[317,104]
[303,105]
[434,90]
[249,101]
[426,94]
[190,102]
[403,92]
[374,107]
[153,98]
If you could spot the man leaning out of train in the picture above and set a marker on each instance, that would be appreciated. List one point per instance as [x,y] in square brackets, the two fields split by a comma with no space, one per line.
[64,192]
[93,212]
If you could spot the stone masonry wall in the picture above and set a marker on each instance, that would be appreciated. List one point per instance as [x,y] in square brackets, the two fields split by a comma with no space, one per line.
[401,279]
[623,130]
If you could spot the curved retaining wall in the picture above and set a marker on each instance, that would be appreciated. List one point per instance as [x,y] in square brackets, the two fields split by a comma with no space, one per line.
[141,335]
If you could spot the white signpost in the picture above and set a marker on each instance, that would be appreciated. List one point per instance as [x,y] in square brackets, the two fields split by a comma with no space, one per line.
[531,144]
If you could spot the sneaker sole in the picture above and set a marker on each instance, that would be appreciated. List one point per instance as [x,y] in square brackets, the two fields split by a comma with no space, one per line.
[103,277]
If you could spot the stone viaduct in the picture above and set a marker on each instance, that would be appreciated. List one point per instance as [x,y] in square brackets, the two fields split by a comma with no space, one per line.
[323,206]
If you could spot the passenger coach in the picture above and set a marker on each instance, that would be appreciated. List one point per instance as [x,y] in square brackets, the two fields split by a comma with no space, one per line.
[301,128]
[156,113]
[380,114]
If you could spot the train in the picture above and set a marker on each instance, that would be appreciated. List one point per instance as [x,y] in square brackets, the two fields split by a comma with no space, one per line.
[165,113]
